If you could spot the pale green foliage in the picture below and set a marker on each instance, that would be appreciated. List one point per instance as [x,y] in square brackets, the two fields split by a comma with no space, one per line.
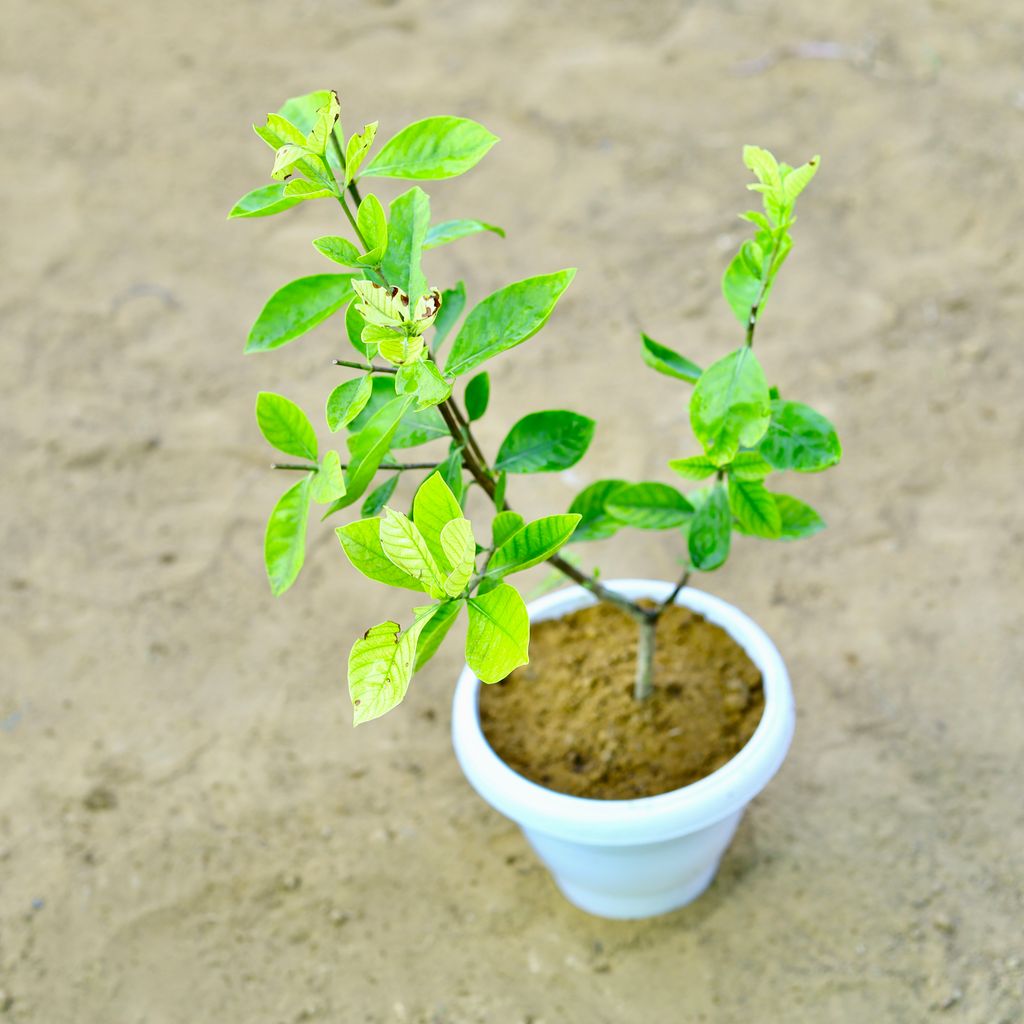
[358,146]
[396,402]
[406,547]
[730,405]
[505,319]
[380,667]
[329,483]
[285,426]
[263,202]
[347,401]
[498,638]
[531,544]
[373,226]
[407,233]
[436,147]
[362,544]
[459,547]
[284,544]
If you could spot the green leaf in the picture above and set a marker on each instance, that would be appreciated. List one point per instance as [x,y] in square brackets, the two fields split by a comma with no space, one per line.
[301,111]
[451,473]
[505,524]
[285,426]
[697,467]
[368,447]
[407,548]
[478,394]
[798,520]
[749,466]
[459,547]
[665,360]
[754,508]
[279,131]
[379,496]
[543,442]
[710,531]
[418,427]
[436,147]
[499,491]
[347,401]
[284,545]
[505,319]
[358,146]
[796,180]
[452,230]
[297,308]
[423,379]
[327,116]
[354,327]
[433,508]
[650,506]
[361,543]
[730,405]
[764,165]
[329,483]
[591,503]
[263,202]
[288,156]
[338,249]
[380,666]
[533,544]
[453,302]
[373,226]
[498,639]
[741,282]
[800,438]
[436,630]
[407,229]
[300,190]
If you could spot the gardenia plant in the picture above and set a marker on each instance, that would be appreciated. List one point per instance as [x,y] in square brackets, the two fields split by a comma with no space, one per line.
[407,393]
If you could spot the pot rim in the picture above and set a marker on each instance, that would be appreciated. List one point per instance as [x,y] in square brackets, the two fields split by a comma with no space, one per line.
[644,819]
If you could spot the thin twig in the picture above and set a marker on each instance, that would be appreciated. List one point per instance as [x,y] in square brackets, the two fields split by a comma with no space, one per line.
[364,366]
[294,465]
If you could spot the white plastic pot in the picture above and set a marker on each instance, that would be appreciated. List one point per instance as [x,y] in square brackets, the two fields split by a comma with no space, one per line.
[635,858]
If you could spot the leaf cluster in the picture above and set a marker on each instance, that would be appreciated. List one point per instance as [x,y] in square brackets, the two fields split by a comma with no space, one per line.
[407,395]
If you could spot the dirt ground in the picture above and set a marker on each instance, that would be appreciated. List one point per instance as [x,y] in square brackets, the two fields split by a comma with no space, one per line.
[190,830]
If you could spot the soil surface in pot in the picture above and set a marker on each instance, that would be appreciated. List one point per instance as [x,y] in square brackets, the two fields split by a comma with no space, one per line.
[568,720]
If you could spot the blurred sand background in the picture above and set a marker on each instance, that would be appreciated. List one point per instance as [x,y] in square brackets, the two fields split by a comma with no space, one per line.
[190,831]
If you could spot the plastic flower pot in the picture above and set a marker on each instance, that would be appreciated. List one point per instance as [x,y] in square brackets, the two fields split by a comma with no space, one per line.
[643,857]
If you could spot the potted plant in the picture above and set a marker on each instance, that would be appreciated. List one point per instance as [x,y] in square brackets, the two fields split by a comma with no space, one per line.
[631,842]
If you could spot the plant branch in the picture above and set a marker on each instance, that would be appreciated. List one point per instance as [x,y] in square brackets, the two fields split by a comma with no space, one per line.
[765,282]
[452,415]
[294,465]
[371,368]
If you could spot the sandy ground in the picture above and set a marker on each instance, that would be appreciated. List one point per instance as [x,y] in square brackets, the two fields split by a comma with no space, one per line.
[190,831]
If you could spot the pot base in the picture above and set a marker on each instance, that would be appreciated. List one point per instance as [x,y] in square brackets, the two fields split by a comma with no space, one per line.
[630,908]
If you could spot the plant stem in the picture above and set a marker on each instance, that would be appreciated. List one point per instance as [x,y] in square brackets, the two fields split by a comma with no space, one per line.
[766,280]
[400,467]
[294,465]
[477,468]
[363,366]
[644,685]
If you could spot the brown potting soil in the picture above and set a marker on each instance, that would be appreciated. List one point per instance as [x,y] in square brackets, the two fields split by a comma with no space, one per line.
[569,721]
